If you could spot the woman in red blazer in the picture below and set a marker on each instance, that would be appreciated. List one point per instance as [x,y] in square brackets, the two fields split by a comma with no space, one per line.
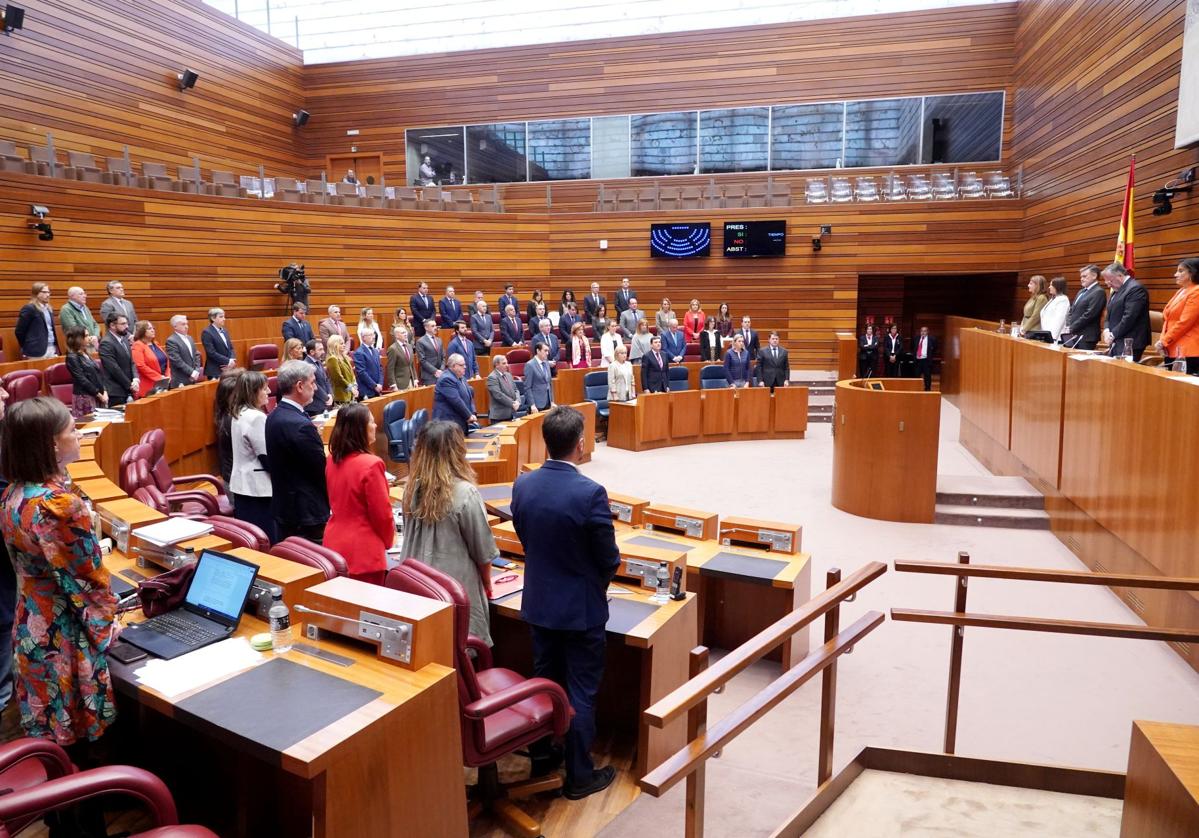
[149,359]
[361,527]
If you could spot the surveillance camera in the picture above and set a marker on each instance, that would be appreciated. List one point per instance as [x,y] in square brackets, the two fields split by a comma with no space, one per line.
[39,210]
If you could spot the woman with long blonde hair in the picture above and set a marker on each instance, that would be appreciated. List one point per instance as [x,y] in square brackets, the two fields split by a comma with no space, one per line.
[445,524]
[341,372]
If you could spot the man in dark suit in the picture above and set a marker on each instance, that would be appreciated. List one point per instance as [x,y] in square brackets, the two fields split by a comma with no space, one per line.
[36,333]
[116,357]
[322,397]
[504,399]
[1127,312]
[539,382]
[481,328]
[1087,312]
[509,298]
[592,303]
[297,326]
[774,369]
[449,308]
[453,399]
[512,330]
[892,351]
[673,342]
[420,306]
[218,346]
[568,320]
[924,348]
[655,368]
[461,343]
[752,344]
[545,334]
[294,449]
[623,296]
[181,352]
[564,523]
[428,350]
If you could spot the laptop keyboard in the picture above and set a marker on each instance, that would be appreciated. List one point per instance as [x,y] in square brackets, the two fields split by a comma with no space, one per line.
[181,629]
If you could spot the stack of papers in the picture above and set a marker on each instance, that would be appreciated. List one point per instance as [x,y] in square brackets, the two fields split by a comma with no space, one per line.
[199,668]
[172,531]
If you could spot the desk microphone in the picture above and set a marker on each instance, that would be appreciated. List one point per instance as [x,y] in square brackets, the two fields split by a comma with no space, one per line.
[1077,340]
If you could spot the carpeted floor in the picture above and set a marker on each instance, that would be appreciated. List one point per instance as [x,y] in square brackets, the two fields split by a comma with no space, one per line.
[1025,697]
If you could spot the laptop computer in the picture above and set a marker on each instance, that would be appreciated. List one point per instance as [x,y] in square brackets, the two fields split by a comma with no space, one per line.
[211,610]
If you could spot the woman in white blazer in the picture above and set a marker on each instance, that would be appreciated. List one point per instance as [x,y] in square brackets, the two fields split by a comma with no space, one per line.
[250,481]
[1053,315]
[608,343]
[621,385]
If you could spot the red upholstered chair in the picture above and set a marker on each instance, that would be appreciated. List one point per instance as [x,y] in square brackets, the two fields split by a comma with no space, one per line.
[263,356]
[22,387]
[25,805]
[25,763]
[239,533]
[156,438]
[37,375]
[3,353]
[517,358]
[301,550]
[62,386]
[135,480]
[691,353]
[501,710]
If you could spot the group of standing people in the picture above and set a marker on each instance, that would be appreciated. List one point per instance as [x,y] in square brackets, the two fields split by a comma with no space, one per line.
[896,353]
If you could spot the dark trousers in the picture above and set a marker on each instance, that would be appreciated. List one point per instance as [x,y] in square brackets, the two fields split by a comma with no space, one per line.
[256,511]
[891,368]
[924,369]
[575,661]
[866,363]
[313,532]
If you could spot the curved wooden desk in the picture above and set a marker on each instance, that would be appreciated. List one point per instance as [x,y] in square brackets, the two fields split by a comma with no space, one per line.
[685,417]
[885,450]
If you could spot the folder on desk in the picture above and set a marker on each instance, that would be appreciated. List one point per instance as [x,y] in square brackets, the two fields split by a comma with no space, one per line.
[172,531]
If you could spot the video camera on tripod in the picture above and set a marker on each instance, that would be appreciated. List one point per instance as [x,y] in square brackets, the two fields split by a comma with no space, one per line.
[294,283]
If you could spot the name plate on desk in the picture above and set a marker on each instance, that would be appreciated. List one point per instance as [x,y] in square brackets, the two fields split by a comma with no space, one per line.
[774,540]
[622,511]
[691,527]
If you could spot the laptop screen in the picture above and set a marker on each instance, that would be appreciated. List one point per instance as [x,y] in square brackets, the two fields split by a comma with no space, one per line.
[220,585]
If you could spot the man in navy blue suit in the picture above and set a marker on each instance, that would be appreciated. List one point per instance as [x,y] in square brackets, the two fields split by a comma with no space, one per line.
[461,344]
[565,525]
[453,400]
[420,306]
[297,456]
[655,368]
[297,326]
[449,308]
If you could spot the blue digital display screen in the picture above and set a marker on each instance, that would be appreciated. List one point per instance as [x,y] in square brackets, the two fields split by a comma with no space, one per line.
[680,241]
[747,239]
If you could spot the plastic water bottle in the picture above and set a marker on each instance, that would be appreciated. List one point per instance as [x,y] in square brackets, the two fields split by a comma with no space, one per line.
[663,576]
[280,617]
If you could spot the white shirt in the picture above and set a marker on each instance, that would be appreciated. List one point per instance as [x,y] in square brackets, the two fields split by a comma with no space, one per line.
[1053,315]
[248,477]
[608,344]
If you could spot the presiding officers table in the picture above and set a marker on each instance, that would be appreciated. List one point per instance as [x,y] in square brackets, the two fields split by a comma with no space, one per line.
[684,417]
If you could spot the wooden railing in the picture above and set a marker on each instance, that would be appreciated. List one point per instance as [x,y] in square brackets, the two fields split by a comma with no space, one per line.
[959,618]
[691,698]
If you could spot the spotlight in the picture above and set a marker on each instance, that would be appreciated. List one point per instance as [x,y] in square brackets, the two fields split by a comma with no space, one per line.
[816,244]
[38,210]
[14,18]
[187,79]
[300,118]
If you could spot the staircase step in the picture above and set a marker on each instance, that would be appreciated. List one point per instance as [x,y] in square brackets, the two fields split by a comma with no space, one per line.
[989,491]
[973,516]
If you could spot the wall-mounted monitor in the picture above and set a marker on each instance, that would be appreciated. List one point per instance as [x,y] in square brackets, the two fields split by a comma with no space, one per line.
[747,239]
[680,241]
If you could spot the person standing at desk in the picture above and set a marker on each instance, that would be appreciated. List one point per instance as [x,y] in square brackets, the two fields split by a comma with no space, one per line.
[624,296]
[622,387]
[1037,299]
[453,399]
[1087,312]
[482,330]
[398,373]
[504,398]
[1053,315]
[1127,313]
[361,527]
[182,354]
[421,306]
[774,368]
[340,371]
[867,352]
[563,520]
[449,307]
[297,326]
[294,449]
[1180,318]
[218,347]
[539,381]
[892,351]
[923,349]
[368,372]
[428,354]
[711,343]
[593,302]
[736,363]
[250,481]
[655,368]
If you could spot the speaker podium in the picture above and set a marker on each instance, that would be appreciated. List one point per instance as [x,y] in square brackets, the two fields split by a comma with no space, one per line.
[885,434]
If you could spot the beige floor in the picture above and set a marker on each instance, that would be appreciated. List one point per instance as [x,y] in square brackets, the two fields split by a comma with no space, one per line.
[1027,697]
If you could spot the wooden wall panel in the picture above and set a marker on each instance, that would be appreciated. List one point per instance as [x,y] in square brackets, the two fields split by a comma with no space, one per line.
[1097,81]
[945,50]
[101,74]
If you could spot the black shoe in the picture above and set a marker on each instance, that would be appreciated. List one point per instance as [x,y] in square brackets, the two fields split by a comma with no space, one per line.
[601,778]
[547,763]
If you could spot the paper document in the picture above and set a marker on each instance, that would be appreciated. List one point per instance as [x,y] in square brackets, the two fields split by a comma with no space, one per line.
[199,668]
[173,530]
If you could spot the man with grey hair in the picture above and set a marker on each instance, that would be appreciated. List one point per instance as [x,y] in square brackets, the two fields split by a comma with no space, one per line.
[181,352]
[116,302]
[334,325]
[1086,313]
[453,399]
[75,314]
[630,316]
[300,500]
[218,346]
[1127,313]
[501,388]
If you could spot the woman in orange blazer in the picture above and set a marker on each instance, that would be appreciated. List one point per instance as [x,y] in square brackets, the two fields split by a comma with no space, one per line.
[1180,318]
[149,359]
[361,527]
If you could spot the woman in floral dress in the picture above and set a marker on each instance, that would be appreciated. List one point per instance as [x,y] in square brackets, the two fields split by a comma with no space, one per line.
[66,610]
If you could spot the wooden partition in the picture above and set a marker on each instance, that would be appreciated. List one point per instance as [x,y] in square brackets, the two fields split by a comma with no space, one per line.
[685,417]
[951,352]
[885,450]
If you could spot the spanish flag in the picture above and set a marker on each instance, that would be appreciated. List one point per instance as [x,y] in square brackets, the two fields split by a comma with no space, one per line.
[1124,240]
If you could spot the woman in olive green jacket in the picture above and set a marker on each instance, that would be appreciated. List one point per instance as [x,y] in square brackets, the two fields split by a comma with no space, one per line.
[1037,298]
[341,372]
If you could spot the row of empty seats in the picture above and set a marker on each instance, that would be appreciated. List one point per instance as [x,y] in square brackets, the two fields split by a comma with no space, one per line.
[941,186]
[712,196]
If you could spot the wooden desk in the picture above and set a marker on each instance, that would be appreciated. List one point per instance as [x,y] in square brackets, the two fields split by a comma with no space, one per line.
[391,767]
[1161,791]
[885,450]
[683,417]
[646,659]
